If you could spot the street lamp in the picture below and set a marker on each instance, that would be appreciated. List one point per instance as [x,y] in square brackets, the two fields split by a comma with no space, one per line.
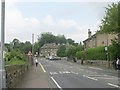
[2,65]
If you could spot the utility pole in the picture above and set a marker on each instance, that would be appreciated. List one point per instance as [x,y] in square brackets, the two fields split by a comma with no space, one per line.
[32,44]
[2,63]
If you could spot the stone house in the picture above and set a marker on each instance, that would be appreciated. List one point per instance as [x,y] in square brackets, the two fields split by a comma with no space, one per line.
[98,39]
[49,49]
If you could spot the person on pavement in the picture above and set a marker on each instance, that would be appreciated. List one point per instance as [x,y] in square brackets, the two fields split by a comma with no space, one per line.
[118,63]
[36,62]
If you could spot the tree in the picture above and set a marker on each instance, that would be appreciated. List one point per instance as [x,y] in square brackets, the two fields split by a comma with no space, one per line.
[15,43]
[111,22]
[61,51]
[79,48]
[27,47]
[61,39]
[7,45]
[46,38]
[71,51]
[70,41]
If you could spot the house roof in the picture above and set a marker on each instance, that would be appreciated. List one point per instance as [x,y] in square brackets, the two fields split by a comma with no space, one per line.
[90,37]
[50,46]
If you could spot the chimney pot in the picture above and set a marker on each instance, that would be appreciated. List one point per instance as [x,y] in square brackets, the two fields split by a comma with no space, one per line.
[89,33]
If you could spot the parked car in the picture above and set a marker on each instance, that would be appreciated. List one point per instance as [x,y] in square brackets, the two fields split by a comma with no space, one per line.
[55,58]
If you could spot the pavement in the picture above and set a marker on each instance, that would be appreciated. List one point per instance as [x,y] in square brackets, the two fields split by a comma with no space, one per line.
[36,78]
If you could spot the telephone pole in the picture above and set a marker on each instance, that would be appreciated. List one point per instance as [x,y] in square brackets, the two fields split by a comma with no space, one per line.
[32,44]
[2,63]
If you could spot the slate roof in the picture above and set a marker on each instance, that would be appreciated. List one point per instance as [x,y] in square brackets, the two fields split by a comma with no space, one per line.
[49,46]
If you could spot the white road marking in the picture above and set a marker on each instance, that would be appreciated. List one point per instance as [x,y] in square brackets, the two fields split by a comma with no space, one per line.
[67,72]
[113,85]
[98,75]
[104,78]
[56,83]
[53,73]
[74,72]
[95,68]
[42,67]
[90,77]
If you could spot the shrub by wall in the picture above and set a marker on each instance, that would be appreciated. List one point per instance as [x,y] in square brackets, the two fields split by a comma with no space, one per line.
[97,53]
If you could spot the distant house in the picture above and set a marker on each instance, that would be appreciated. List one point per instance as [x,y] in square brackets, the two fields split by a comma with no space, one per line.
[98,39]
[49,49]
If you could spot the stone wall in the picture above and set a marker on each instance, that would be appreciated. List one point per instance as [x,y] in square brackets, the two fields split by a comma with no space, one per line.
[14,74]
[101,63]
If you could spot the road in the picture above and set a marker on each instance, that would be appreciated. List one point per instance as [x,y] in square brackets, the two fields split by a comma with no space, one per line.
[70,75]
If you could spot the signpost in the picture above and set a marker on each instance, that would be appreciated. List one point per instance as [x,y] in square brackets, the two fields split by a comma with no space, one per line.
[2,65]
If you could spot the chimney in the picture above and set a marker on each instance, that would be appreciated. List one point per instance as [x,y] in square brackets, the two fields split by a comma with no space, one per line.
[89,33]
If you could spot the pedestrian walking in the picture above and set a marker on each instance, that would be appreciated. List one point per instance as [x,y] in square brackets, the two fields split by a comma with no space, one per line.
[118,63]
[36,62]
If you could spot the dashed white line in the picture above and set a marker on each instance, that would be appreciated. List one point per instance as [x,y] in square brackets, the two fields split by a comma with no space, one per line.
[56,83]
[113,85]
[74,73]
[90,77]
[42,67]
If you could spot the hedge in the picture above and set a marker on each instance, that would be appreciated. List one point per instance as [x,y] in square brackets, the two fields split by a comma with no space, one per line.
[97,53]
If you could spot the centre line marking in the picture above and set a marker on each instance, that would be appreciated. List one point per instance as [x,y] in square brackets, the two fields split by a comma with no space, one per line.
[42,67]
[56,83]
[113,85]
[90,77]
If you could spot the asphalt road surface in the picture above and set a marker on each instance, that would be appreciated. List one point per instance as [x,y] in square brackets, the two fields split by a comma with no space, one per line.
[70,75]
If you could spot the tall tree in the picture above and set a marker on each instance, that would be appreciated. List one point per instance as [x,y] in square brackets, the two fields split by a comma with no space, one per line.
[46,38]
[16,43]
[70,41]
[110,23]
[27,47]
[61,39]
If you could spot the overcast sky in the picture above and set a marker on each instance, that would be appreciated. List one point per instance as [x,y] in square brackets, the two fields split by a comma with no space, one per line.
[72,18]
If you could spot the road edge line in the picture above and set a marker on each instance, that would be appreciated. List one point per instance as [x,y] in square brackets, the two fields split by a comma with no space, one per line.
[113,85]
[56,83]
[42,67]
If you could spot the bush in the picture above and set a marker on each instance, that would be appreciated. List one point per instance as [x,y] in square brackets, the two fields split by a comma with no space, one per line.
[97,53]
[71,51]
[81,54]
[14,57]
